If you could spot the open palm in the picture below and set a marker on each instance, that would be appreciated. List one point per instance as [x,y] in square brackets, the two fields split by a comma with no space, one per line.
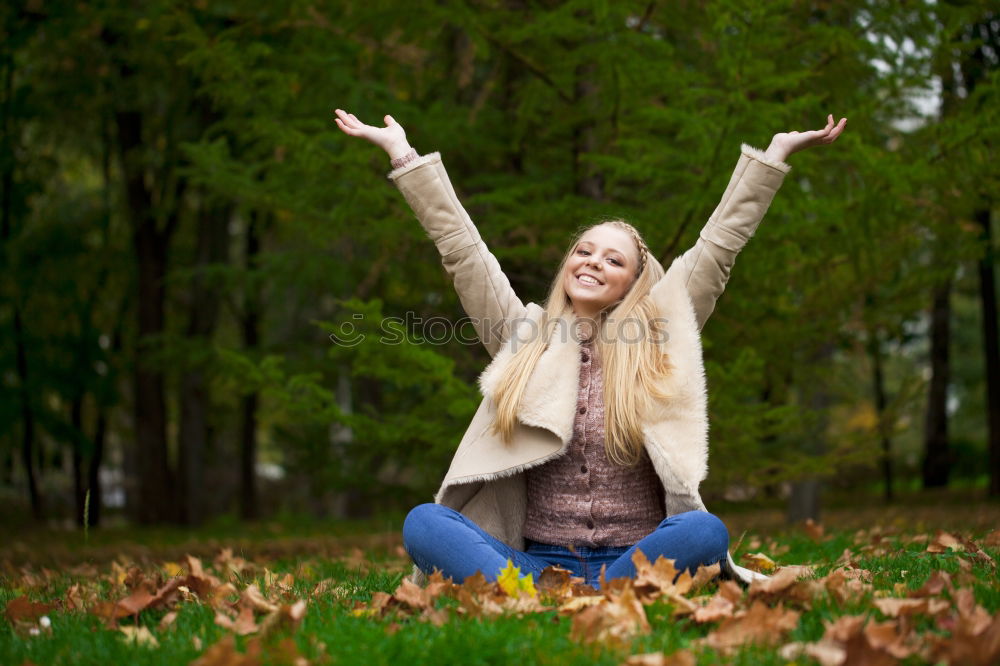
[391,138]
[792,142]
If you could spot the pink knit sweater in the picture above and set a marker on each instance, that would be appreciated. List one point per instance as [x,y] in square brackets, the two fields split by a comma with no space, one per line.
[584,499]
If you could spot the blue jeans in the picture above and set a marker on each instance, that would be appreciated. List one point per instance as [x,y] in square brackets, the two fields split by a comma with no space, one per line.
[437,537]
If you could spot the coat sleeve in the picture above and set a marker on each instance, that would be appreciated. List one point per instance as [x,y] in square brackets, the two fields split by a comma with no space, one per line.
[707,265]
[482,287]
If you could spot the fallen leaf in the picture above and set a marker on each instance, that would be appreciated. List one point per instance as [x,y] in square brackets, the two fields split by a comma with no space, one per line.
[23,609]
[168,619]
[760,624]
[705,575]
[718,608]
[140,636]
[286,617]
[615,620]
[243,624]
[679,658]
[223,653]
[555,583]
[885,637]
[759,562]
[893,607]
[813,530]
[513,583]
[827,653]
[252,598]
[943,542]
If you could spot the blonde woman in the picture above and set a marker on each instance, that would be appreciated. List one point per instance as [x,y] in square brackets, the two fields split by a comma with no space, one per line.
[592,437]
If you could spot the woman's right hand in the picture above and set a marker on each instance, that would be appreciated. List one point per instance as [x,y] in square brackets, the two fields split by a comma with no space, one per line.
[391,138]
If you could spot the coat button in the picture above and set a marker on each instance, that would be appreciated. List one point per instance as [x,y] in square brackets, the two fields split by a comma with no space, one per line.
[590,524]
[583,468]
[583,410]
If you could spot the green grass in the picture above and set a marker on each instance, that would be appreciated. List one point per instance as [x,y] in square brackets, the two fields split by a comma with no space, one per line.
[331,633]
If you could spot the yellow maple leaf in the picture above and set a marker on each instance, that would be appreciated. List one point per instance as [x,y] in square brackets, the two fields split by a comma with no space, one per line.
[172,569]
[759,562]
[513,583]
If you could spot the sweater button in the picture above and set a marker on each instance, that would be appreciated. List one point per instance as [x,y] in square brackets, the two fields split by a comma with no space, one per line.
[590,524]
[583,410]
[586,357]
[583,468]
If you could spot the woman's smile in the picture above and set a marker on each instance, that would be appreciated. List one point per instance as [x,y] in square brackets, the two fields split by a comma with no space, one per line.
[600,270]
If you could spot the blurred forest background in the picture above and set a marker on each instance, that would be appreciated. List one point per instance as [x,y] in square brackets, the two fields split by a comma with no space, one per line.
[184,228]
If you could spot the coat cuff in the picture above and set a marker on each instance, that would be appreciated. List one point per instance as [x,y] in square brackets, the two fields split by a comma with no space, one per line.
[420,161]
[758,155]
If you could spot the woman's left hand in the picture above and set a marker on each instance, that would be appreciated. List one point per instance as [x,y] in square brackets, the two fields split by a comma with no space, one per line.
[785,143]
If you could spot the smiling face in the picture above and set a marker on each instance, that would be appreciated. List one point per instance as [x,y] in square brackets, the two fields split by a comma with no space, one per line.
[600,269]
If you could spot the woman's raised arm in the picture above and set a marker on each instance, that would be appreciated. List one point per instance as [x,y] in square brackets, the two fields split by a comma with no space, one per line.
[756,179]
[482,287]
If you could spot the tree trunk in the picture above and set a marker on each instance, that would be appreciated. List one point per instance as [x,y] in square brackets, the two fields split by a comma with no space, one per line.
[249,505]
[937,457]
[805,500]
[195,398]
[589,181]
[991,338]
[878,389]
[79,493]
[155,483]
[21,353]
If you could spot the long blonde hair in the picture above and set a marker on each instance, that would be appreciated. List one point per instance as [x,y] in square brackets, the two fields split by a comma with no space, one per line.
[632,369]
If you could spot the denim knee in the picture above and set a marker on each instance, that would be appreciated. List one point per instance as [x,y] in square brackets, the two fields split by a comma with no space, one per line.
[715,533]
[416,527]
[711,531]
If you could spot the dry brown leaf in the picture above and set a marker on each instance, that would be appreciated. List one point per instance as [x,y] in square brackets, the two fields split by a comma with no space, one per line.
[777,583]
[992,540]
[760,624]
[886,637]
[964,647]
[412,595]
[135,603]
[894,607]
[286,617]
[843,628]
[73,599]
[241,626]
[731,591]
[140,636]
[679,658]
[936,583]
[615,620]
[555,583]
[942,542]
[23,609]
[167,620]
[860,652]
[705,575]
[253,599]
[827,653]
[717,609]
[223,653]
[661,579]
[813,530]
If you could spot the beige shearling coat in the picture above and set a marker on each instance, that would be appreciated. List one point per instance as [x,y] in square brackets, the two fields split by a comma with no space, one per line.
[485,480]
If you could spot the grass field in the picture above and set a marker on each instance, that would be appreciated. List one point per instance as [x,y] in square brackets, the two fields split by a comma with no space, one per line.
[333,594]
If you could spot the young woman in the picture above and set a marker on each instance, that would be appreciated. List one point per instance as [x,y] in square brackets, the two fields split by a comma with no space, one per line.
[592,437]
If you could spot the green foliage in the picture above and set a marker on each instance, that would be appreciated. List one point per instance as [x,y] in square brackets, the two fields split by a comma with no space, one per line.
[548,117]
